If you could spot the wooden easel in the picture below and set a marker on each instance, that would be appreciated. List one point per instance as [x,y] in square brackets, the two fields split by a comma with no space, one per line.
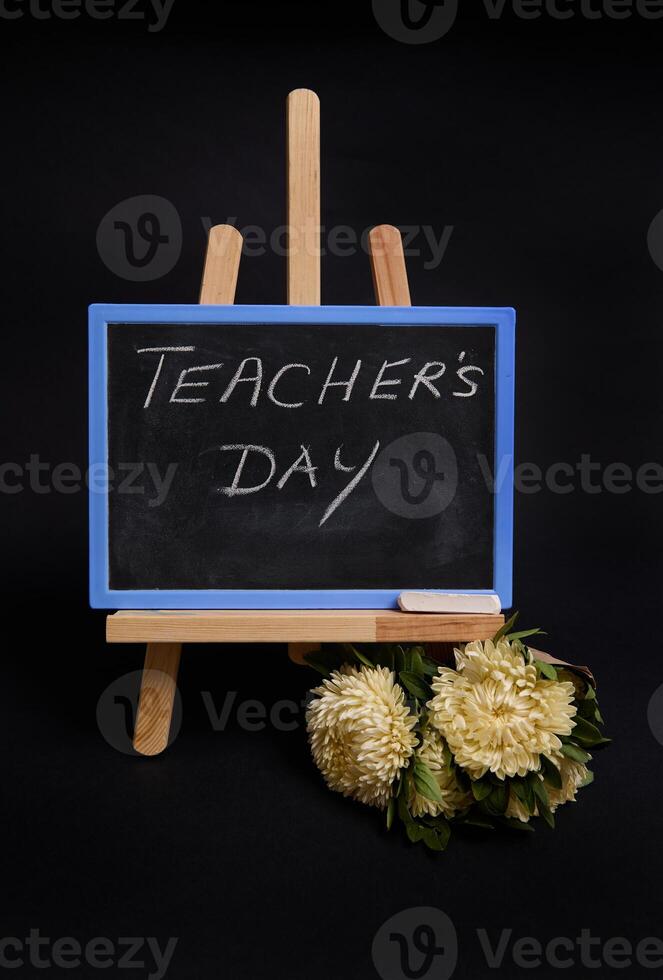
[303,630]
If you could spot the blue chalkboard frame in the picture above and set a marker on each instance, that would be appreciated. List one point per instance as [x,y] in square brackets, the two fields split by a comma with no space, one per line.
[100,315]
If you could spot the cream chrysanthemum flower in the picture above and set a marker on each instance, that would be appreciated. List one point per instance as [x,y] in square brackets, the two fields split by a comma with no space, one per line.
[431,751]
[360,730]
[496,714]
[573,776]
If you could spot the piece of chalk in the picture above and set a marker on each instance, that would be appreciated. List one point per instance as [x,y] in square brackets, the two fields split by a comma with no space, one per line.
[437,602]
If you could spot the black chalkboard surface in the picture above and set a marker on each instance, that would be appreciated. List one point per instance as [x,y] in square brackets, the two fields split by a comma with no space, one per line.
[300,456]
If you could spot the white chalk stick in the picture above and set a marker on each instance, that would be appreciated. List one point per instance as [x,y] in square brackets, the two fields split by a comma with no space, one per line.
[436,602]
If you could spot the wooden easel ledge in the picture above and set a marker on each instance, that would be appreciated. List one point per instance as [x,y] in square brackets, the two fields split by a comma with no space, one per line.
[298,626]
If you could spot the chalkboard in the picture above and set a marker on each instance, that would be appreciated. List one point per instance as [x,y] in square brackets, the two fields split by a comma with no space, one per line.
[294,457]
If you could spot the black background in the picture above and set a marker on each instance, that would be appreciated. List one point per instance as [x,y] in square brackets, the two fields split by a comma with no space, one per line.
[199,538]
[541,143]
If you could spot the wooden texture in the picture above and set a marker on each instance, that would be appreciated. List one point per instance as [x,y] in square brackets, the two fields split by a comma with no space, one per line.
[303,124]
[157,696]
[298,626]
[388,265]
[224,250]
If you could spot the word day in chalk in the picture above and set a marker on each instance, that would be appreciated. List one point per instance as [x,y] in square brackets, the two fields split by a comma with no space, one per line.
[293,386]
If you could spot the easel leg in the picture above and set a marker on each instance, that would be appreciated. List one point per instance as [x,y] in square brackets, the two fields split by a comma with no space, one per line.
[157,696]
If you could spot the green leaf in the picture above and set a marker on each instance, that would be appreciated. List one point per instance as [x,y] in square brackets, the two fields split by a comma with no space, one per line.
[415,685]
[548,816]
[391,813]
[590,693]
[326,660]
[383,655]
[432,840]
[443,830]
[546,670]
[317,664]
[477,819]
[430,668]
[588,780]
[588,709]
[513,824]
[425,782]
[399,658]
[358,655]
[524,793]
[523,634]
[587,734]
[416,661]
[506,628]
[481,789]
[551,773]
[498,800]
[403,811]
[572,751]
[414,831]
[540,791]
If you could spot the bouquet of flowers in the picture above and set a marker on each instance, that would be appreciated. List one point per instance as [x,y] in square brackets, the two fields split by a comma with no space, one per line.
[498,739]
